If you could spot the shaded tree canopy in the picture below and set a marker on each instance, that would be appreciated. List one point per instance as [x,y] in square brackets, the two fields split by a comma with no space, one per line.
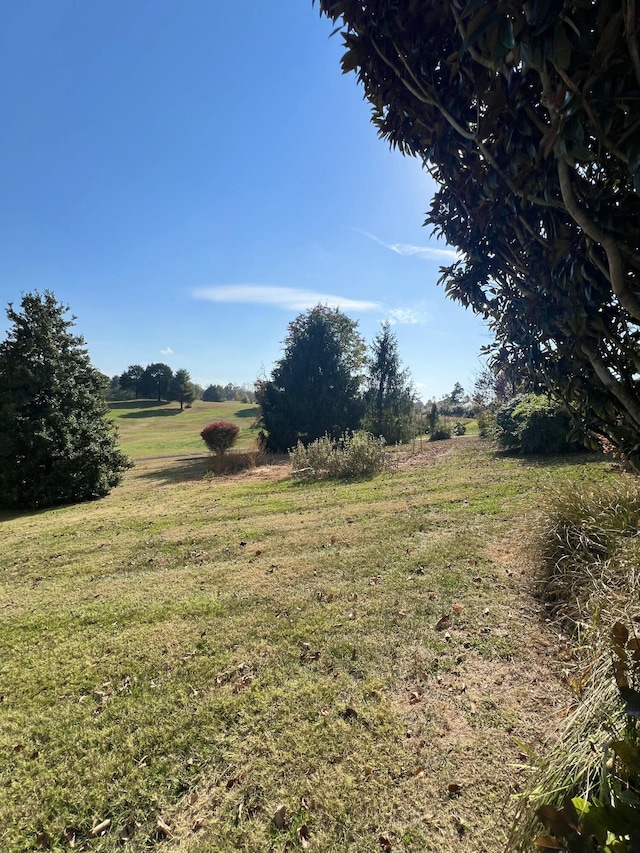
[156,381]
[314,388]
[389,395]
[132,379]
[527,115]
[181,388]
[55,444]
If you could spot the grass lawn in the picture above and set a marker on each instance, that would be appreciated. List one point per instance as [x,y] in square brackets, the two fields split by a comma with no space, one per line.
[148,428]
[260,664]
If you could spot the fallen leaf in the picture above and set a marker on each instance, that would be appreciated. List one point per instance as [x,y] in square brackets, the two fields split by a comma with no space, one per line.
[99,828]
[197,825]
[18,747]
[458,608]
[193,797]
[164,828]
[384,842]
[43,841]
[349,714]
[414,697]
[454,789]
[303,835]
[443,622]
[280,818]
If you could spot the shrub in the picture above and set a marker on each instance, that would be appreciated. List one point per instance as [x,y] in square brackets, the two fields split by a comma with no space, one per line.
[441,431]
[356,455]
[534,424]
[459,428]
[220,436]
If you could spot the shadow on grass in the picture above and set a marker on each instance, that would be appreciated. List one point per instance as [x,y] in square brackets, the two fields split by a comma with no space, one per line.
[151,410]
[179,470]
[577,457]
[253,412]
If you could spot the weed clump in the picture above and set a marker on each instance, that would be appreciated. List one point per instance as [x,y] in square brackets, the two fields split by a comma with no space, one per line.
[589,551]
[354,455]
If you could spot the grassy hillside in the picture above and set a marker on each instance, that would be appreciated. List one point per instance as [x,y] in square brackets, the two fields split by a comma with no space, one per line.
[261,664]
[148,428]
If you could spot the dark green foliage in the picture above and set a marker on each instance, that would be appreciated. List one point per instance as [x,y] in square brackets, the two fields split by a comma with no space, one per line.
[220,436]
[527,115]
[156,381]
[314,388]
[441,431]
[55,444]
[132,379]
[181,388]
[389,395]
[432,417]
[213,394]
[533,424]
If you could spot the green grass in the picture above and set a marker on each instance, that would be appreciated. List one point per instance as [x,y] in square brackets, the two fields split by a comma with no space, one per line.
[194,654]
[148,428]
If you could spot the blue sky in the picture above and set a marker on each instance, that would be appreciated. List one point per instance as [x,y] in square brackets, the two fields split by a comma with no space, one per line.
[189,176]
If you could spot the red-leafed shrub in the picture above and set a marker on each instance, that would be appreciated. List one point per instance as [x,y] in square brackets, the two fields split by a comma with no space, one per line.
[220,436]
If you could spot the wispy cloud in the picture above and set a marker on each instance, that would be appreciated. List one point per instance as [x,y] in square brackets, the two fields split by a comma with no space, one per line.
[291,298]
[167,351]
[407,316]
[425,253]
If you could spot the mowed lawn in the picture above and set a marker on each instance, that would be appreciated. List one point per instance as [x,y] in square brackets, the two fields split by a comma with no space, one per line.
[148,428]
[257,664]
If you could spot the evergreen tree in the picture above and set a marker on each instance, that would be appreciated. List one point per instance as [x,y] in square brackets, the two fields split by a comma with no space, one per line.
[55,444]
[315,387]
[389,395]
[181,388]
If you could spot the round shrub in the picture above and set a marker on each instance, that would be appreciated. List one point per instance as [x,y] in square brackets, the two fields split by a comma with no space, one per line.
[220,436]
[534,424]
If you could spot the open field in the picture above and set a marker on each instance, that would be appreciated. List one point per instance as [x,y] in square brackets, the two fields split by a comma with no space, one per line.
[187,657]
[148,428]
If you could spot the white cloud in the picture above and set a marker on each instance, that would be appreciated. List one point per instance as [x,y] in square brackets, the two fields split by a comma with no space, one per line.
[291,298]
[407,316]
[425,253]
[167,351]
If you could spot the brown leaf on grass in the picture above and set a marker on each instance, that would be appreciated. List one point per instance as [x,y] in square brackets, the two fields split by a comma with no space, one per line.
[197,825]
[19,747]
[414,697]
[384,842]
[101,827]
[431,595]
[349,714]
[164,828]
[454,789]
[310,805]
[303,835]
[193,797]
[443,622]
[43,841]
[280,818]
[458,608]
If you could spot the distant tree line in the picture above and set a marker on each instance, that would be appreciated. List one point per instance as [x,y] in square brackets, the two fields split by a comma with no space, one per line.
[158,381]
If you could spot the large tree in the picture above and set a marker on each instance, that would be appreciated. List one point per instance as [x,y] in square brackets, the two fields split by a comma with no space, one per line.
[389,395]
[156,380]
[527,115]
[55,444]
[132,378]
[315,387]
[181,388]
